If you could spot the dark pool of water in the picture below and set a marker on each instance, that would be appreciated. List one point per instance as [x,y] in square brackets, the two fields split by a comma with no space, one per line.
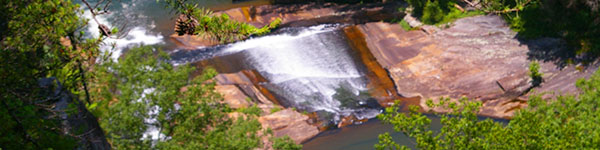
[361,137]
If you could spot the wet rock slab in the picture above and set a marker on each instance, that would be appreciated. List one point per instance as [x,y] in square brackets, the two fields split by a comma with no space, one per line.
[477,57]
[291,123]
[242,89]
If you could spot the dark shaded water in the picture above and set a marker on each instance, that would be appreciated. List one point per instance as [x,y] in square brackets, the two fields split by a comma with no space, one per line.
[361,137]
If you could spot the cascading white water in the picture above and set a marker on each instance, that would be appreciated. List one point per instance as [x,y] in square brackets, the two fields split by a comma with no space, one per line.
[132,36]
[308,68]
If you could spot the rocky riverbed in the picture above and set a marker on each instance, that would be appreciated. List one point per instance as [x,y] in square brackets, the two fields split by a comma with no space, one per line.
[476,57]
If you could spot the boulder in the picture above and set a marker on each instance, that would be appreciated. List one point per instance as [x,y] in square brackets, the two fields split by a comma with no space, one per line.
[238,87]
[477,57]
[233,96]
[291,123]
[249,82]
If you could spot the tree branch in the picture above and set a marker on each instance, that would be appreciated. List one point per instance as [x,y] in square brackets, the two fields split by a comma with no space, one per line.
[103,28]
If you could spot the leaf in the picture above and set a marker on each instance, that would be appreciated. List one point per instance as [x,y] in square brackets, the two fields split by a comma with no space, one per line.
[92,106]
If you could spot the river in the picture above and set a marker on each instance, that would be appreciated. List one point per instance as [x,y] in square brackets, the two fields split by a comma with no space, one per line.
[312,69]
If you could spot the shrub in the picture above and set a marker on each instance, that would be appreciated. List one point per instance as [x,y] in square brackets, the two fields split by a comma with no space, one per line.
[535,74]
[432,12]
[275,109]
[202,21]
[285,143]
[405,25]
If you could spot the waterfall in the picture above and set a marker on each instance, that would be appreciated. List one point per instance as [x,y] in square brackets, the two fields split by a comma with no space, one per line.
[309,68]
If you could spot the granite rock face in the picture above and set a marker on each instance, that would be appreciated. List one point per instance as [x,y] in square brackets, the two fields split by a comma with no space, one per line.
[291,123]
[243,89]
[477,57]
[314,14]
[233,96]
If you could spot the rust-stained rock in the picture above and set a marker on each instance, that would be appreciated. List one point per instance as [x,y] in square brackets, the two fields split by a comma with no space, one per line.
[299,15]
[236,88]
[313,14]
[380,86]
[478,58]
[233,96]
[249,81]
[291,123]
[350,120]
[192,42]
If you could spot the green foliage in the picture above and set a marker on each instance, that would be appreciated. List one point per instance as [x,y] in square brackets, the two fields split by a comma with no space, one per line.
[564,123]
[201,21]
[535,74]
[437,12]
[455,13]
[417,6]
[405,25]
[31,49]
[285,143]
[143,86]
[252,110]
[432,12]
[275,109]
[574,21]
[386,142]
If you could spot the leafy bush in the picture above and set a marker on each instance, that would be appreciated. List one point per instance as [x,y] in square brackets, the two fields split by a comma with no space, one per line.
[436,12]
[575,21]
[285,143]
[432,12]
[201,21]
[405,25]
[252,110]
[535,74]
[417,6]
[275,109]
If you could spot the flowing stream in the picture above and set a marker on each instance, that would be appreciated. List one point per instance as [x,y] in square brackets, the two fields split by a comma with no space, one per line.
[308,68]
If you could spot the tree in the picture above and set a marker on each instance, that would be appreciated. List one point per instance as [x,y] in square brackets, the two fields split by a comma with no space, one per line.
[40,39]
[566,122]
[142,91]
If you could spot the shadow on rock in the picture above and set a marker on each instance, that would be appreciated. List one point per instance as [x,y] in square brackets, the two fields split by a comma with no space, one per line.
[556,51]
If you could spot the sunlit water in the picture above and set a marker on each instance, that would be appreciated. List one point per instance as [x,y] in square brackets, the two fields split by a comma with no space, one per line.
[308,68]
[144,22]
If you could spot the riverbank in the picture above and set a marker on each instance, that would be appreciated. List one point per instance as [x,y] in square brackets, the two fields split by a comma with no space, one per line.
[476,57]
